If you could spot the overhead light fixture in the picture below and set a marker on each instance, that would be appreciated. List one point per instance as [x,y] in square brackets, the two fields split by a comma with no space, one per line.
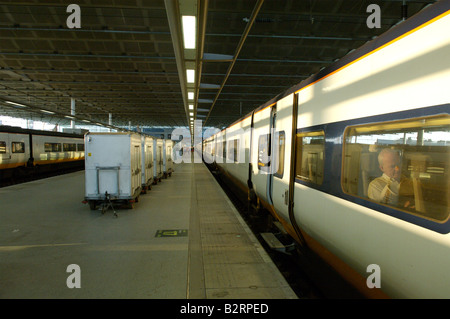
[69,117]
[190,74]
[15,104]
[48,112]
[191,106]
[190,95]
[189,34]
[191,114]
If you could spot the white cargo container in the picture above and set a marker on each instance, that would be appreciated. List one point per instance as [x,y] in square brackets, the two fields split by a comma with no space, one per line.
[167,158]
[157,159]
[147,162]
[112,168]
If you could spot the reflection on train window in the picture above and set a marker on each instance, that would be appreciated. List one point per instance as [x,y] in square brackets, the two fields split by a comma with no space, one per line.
[264,152]
[2,147]
[310,150]
[69,147]
[52,147]
[18,147]
[80,147]
[280,139]
[403,164]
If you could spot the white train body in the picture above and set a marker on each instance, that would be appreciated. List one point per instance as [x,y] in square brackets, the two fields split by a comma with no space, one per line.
[113,166]
[391,93]
[26,152]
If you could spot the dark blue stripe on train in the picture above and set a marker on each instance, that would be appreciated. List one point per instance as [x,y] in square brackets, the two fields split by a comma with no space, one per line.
[334,134]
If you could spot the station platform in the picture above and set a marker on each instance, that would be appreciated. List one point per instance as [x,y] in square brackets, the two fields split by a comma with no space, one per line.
[182,240]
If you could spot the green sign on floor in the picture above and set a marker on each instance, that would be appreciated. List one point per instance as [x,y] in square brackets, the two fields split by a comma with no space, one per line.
[171,233]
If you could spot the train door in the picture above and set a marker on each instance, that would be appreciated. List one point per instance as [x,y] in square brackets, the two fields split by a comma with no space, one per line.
[272,156]
[260,168]
[281,156]
[5,150]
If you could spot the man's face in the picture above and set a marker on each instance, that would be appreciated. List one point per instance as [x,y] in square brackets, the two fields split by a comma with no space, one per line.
[391,165]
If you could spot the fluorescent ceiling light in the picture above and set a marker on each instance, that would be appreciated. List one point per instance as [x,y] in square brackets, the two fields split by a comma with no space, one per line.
[15,104]
[191,114]
[48,112]
[189,34]
[190,74]
[190,95]
[69,117]
[191,106]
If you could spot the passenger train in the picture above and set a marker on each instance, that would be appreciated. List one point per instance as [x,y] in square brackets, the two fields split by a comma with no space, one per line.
[27,154]
[310,156]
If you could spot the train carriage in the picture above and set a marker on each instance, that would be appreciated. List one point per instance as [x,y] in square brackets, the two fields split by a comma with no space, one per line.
[355,161]
[27,154]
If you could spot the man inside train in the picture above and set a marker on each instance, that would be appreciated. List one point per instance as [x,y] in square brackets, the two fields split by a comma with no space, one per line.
[386,188]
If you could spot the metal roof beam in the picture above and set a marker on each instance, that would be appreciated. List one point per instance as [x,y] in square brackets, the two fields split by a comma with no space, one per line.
[238,50]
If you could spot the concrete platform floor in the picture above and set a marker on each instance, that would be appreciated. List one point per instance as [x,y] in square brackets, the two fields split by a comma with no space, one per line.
[44,228]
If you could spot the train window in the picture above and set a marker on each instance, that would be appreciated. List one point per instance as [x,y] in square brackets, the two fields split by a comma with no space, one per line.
[69,147]
[52,147]
[310,150]
[280,138]
[2,147]
[402,164]
[264,152]
[80,147]
[18,147]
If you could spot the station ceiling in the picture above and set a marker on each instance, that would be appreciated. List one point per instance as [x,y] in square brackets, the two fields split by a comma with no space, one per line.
[124,59]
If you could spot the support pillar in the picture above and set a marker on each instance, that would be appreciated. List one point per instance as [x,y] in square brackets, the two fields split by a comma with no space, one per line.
[72,112]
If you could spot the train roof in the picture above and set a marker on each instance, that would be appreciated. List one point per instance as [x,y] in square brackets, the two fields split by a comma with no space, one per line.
[20,130]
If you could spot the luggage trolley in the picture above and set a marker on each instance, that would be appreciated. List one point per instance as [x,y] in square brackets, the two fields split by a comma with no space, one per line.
[112,170]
